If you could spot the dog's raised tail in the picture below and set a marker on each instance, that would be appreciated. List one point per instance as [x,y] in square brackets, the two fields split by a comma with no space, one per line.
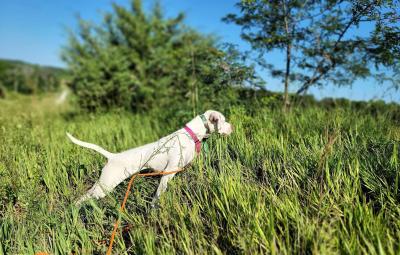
[90,146]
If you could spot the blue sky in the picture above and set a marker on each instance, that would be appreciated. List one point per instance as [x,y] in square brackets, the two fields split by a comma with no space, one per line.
[35,31]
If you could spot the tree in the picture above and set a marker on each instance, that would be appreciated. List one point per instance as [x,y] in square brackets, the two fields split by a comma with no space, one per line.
[141,61]
[323,40]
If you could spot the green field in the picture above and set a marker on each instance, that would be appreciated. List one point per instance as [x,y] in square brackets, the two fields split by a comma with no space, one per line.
[311,181]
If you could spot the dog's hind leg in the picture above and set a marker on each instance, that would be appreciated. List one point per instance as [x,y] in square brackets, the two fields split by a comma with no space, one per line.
[112,174]
[95,192]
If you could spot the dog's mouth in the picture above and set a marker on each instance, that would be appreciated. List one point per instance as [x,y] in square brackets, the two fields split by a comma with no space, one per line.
[229,131]
[226,134]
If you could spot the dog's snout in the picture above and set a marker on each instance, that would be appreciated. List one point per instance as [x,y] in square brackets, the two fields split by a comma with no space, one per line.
[230,129]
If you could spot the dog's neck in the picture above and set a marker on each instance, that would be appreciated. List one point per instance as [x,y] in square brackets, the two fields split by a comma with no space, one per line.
[197,126]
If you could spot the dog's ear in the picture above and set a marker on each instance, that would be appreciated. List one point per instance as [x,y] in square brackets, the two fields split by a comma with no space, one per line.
[214,118]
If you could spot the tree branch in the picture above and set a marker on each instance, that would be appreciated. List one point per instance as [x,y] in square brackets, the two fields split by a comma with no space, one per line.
[319,72]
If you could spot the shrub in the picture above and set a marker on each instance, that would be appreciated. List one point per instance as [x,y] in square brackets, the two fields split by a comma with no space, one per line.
[140,61]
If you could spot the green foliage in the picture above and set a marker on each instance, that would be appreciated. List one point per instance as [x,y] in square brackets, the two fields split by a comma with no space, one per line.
[144,61]
[2,91]
[277,185]
[27,78]
[325,42]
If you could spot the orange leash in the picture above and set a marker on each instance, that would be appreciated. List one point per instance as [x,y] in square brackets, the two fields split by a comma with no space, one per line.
[126,198]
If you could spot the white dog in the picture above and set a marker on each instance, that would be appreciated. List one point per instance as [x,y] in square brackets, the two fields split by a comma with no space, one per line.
[170,153]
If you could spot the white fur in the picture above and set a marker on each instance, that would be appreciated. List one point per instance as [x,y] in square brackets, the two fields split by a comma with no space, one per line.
[170,153]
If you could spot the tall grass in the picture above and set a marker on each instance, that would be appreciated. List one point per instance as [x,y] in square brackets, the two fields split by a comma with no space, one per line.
[313,181]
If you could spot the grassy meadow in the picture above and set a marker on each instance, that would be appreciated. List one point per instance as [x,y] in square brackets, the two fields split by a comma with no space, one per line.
[312,181]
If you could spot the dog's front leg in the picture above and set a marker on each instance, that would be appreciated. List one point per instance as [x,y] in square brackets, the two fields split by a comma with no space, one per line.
[161,188]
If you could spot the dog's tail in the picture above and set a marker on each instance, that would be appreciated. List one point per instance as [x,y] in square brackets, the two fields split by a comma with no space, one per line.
[91,146]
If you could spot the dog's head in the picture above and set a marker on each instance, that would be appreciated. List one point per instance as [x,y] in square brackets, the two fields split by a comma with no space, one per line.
[217,123]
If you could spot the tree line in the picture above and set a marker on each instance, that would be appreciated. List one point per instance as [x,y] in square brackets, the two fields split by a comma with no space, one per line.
[28,78]
[140,61]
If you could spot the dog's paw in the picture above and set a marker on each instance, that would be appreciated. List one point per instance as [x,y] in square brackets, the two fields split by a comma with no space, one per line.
[155,204]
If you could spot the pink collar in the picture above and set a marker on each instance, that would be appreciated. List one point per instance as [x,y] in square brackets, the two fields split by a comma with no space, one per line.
[197,142]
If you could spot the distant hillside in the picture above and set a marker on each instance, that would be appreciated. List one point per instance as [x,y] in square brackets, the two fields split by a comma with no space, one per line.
[28,78]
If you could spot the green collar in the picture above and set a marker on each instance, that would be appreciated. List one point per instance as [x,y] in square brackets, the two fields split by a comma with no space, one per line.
[205,122]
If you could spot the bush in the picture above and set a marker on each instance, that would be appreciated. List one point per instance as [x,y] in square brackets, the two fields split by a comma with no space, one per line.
[144,61]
